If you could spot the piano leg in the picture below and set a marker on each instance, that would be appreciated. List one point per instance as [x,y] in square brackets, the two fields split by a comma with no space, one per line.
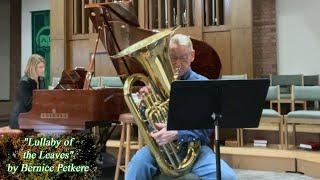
[102,132]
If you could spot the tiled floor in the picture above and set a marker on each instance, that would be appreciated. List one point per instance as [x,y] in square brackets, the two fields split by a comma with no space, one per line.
[244,175]
[267,175]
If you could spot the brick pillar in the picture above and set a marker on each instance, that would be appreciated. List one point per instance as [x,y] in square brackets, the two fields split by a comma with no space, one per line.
[264,38]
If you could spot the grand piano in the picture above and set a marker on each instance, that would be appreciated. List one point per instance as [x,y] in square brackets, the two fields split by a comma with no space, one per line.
[74,109]
[69,107]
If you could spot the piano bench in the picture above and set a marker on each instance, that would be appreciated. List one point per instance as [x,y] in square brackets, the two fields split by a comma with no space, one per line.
[127,121]
[8,131]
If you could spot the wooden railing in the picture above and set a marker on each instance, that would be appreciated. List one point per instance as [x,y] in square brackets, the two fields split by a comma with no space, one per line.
[158,14]
[80,17]
[213,12]
[168,13]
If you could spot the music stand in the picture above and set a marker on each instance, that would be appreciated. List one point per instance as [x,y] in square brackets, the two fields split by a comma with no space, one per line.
[218,104]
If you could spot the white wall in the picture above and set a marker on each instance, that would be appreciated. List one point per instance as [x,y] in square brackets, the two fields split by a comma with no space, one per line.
[5,50]
[298,27]
[26,31]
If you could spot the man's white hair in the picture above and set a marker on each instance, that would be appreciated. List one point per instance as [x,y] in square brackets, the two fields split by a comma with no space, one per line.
[180,39]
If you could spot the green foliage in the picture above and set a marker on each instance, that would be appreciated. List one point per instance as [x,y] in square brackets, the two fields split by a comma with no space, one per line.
[13,148]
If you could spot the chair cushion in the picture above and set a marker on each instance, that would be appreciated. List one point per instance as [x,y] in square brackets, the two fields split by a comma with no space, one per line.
[126,118]
[186,176]
[270,113]
[305,114]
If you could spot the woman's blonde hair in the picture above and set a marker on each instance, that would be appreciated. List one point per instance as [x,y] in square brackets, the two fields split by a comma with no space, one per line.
[32,64]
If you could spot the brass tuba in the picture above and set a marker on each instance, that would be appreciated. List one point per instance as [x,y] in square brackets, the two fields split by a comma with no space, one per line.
[152,53]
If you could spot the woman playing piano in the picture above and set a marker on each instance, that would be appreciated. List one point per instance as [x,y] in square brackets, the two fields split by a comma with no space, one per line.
[32,79]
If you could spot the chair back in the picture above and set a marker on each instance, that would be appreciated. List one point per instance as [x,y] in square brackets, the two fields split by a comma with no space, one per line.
[95,82]
[234,77]
[311,80]
[112,81]
[306,93]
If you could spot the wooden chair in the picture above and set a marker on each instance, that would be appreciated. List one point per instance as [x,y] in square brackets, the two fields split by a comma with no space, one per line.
[271,120]
[234,77]
[285,82]
[312,80]
[303,120]
[126,142]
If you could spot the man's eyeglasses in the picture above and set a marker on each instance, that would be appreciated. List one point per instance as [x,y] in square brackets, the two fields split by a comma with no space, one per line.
[184,57]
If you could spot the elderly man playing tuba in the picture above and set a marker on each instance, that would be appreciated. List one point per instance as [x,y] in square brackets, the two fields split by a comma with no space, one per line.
[143,165]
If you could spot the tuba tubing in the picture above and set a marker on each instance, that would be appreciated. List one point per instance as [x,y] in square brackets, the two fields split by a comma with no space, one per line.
[152,54]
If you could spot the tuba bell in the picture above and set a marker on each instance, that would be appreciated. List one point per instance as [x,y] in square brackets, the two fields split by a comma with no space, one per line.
[174,159]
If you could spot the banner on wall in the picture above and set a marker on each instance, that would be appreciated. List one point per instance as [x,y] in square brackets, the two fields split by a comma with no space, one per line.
[41,38]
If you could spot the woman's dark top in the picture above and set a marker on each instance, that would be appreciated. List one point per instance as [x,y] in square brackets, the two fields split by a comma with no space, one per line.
[24,98]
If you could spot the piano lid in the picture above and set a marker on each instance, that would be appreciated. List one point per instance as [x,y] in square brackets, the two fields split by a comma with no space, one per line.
[206,63]
[122,10]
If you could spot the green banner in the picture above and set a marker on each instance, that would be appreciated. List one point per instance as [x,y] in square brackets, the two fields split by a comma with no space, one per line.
[41,38]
